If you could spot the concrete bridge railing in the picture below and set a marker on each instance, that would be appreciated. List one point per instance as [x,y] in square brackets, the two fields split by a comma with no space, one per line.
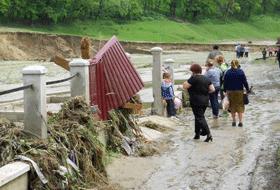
[14,176]
[35,100]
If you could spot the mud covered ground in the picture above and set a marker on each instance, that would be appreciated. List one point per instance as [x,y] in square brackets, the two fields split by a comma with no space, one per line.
[239,158]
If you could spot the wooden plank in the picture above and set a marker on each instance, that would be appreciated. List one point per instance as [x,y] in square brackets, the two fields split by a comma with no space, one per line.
[60,61]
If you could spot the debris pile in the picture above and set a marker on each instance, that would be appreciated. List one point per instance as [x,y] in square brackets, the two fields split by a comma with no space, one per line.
[71,158]
[124,133]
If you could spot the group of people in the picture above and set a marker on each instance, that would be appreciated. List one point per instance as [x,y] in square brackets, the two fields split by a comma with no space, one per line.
[242,50]
[271,52]
[219,78]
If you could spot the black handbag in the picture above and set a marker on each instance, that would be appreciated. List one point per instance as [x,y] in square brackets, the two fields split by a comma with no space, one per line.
[245,99]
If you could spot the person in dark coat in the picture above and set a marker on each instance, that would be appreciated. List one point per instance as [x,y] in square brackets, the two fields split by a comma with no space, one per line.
[234,83]
[242,50]
[199,88]
[278,55]
[264,52]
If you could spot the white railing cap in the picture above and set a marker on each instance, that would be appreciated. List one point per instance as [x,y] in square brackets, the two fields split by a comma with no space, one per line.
[156,49]
[79,62]
[34,70]
[11,171]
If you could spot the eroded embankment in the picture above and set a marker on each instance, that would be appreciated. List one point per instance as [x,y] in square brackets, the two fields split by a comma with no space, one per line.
[40,46]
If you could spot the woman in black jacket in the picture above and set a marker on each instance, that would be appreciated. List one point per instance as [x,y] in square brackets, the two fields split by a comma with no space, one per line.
[199,87]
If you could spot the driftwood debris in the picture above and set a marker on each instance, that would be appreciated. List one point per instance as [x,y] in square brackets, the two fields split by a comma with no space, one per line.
[62,62]
[85,53]
[85,47]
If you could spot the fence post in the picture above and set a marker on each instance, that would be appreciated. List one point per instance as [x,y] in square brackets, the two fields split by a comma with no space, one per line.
[168,63]
[80,84]
[35,114]
[156,79]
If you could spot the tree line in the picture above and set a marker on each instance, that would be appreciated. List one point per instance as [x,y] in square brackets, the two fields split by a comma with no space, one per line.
[58,11]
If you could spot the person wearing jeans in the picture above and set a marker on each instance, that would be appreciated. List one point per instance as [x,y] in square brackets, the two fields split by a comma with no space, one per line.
[214,75]
[213,97]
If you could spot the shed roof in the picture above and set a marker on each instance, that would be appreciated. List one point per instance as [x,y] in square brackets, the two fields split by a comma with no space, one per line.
[113,79]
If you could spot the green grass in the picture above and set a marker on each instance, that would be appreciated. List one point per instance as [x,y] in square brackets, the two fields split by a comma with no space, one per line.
[164,30]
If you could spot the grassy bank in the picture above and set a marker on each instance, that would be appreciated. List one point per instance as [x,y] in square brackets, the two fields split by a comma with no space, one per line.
[164,30]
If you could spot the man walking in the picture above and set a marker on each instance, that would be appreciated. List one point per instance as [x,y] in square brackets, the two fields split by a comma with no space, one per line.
[214,53]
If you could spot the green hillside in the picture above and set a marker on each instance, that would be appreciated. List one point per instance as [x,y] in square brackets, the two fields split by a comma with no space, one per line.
[164,30]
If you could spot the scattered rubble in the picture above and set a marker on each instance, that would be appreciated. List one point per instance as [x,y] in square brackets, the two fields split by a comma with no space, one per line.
[73,156]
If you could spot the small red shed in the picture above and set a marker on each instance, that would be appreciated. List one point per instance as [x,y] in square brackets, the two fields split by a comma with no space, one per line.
[113,78]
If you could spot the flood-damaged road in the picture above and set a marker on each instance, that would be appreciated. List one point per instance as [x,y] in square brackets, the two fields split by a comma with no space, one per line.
[238,158]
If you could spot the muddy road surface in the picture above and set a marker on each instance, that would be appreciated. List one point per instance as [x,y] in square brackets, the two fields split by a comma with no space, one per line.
[237,159]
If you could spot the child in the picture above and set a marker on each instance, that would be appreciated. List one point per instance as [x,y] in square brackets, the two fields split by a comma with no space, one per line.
[167,94]
[264,52]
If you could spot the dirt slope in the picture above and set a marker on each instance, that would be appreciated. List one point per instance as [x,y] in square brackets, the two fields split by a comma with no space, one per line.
[31,46]
[40,46]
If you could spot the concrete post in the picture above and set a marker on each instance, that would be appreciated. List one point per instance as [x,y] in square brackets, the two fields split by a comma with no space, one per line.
[35,113]
[80,84]
[168,64]
[157,79]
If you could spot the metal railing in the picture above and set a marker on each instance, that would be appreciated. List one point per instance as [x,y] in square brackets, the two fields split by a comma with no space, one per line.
[16,89]
[30,85]
[35,97]
[62,80]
